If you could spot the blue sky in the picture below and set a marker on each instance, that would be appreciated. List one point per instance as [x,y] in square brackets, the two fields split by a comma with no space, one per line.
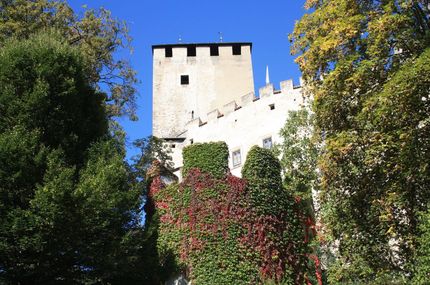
[265,23]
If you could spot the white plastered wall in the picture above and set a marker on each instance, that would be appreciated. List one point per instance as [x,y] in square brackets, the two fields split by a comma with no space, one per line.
[244,123]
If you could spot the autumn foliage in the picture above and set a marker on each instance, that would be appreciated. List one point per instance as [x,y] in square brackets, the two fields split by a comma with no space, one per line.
[216,234]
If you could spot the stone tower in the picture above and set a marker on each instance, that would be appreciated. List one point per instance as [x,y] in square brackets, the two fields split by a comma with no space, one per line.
[191,80]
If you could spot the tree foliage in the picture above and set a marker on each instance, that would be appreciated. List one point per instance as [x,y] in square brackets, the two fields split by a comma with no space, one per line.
[97,35]
[69,206]
[367,64]
[299,151]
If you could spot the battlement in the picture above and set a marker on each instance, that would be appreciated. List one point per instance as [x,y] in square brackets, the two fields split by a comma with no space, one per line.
[193,50]
[268,96]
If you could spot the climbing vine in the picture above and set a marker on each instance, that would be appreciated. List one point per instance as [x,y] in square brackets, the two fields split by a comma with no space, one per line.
[208,157]
[211,228]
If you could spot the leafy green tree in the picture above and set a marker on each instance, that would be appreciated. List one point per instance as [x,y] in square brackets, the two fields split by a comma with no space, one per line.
[367,65]
[299,151]
[422,269]
[151,149]
[97,34]
[69,203]
[299,154]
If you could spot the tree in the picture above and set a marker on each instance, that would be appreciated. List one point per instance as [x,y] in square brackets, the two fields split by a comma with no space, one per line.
[69,204]
[299,154]
[97,34]
[299,151]
[366,62]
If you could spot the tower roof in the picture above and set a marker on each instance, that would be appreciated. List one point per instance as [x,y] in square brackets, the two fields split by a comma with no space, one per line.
[201,44]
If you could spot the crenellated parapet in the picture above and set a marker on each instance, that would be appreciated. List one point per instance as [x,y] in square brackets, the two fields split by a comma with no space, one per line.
[267,94]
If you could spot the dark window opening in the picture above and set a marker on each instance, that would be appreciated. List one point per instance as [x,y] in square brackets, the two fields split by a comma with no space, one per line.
[191,141]
[192,115]
[191,51]
[172,145]
[237,50]
[185,80]
[272,106]
[214,50]
[168,52]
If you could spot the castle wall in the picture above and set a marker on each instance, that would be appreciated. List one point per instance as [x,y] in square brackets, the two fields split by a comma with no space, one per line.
[213,81]
[243,123]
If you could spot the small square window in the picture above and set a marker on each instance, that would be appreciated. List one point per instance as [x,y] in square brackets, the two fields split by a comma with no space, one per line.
[185,80]
[168,52]
[237,50]
[272,106]
[236,158]
[191,51]
[214,50]
[267,143]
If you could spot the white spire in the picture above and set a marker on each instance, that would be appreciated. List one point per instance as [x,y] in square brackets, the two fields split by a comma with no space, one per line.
[267,75]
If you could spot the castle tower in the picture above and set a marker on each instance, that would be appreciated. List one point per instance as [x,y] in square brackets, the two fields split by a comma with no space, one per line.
[205,93]
[191,80]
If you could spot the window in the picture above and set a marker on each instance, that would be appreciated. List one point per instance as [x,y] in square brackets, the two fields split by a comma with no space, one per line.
[272,106]
[191,51]
[168,52]
[236,158]
[185,80]
[267,143]
[237,50]
[214,50]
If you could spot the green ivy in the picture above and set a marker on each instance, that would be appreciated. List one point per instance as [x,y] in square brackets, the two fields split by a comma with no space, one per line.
[228,230]
[262,170]
[208,157]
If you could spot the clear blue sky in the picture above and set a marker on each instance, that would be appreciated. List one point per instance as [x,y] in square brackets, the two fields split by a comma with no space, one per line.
[265,23]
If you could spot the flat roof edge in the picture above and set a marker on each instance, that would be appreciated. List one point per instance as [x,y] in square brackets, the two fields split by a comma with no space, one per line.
[202,44]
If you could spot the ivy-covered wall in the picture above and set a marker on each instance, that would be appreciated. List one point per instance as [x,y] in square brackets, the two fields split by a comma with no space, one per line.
[220,229]
[208,157]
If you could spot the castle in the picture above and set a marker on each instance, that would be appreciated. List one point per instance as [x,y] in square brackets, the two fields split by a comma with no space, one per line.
[205,92]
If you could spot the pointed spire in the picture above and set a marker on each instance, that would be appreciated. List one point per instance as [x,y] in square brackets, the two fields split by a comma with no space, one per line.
[267,75]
